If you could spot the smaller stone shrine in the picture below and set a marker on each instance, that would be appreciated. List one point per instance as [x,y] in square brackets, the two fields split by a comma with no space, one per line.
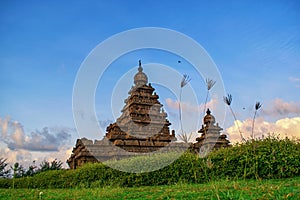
[210,134]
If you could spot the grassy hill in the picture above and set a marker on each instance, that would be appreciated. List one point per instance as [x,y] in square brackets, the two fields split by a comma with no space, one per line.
[268,169]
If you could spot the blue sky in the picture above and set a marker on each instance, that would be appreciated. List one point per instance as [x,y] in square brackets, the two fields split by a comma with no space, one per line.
[255,45]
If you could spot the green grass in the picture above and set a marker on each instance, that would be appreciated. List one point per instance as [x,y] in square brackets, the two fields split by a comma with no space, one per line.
[242,189]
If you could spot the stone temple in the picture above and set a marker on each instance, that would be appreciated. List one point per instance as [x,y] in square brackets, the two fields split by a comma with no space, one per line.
[142,127]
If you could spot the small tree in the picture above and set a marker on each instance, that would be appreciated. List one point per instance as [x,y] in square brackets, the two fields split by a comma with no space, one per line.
[18,170]
[44,166]
[32,169]
[54,165]
[4,172]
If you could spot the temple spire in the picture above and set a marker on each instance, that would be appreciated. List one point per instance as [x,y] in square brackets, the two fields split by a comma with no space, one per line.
[208,111]
[140,66]
[140,78]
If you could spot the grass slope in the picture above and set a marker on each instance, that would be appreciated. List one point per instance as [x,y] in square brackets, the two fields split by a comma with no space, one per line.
[225,189]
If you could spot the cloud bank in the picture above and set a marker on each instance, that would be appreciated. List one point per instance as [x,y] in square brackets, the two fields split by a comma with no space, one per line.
[47,139]
[279,108]
[286,127]
[47,144]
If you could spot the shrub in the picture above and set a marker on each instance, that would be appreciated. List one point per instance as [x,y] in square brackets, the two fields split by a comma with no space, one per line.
[264,159]
[268,158]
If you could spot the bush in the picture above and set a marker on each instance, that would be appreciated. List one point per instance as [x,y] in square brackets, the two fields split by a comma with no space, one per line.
[264,159]
[268,158]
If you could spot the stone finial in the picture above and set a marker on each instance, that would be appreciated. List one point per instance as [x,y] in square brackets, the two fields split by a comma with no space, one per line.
[140,78]
[208,111]
[140,66]
[209,119]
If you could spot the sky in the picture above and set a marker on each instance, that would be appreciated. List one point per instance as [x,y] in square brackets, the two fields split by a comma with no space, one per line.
[254,44]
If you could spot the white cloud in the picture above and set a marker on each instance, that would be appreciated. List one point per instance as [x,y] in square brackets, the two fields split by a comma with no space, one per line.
[286,127]
[13,156]
[278,108]
[294,79]
[47,144]
[48,139]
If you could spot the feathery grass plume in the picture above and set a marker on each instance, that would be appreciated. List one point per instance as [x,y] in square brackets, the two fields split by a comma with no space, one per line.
[257,107]
[185,137]
[184,81]
[228,101]
[209,84]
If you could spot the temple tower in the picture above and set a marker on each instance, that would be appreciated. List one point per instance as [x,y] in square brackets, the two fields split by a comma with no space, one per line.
[143,125]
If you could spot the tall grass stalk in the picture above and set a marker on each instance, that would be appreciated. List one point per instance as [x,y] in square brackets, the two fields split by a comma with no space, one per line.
[257,107]
[228,101]
[209,84]
[184,81]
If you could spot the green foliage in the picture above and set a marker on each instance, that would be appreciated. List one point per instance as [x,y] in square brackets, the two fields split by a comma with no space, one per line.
[270,158]
[18,170]
[46,166]
[31,171]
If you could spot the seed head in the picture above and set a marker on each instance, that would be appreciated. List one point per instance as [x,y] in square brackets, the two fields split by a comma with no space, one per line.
[228,99]
[185,80]
[210,83]
[258,105]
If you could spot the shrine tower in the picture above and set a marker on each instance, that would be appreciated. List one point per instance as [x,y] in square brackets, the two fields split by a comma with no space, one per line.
[211,134]
[143,125]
